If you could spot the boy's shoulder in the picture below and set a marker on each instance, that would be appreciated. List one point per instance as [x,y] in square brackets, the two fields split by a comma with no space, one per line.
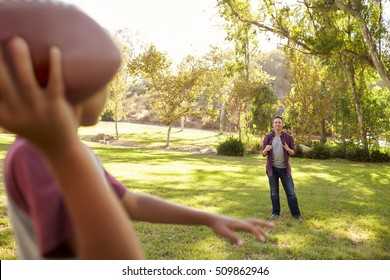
[21,152]
[21,146]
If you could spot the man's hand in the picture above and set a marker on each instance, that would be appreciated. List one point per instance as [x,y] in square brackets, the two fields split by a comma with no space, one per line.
[287,148]
[266,149]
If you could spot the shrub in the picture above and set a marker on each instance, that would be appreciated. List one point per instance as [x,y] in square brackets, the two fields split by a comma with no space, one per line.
[337,151]
[320,151]
[107,116]
[252,144]
[378,156]
[343,151]
[231,147]
[357,154]
[298,151]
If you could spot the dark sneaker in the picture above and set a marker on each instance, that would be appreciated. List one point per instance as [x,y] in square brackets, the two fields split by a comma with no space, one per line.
[274,216]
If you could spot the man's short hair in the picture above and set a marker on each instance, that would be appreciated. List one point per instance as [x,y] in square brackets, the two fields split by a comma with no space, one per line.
[277,117]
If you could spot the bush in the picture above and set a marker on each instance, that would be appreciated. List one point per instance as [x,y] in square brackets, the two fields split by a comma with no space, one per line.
[298,151]
[337,151]
[107,116]
[343,151]
[378,156]
[320,151]
[252,144]
[357,154]
[231,147]
[303,151]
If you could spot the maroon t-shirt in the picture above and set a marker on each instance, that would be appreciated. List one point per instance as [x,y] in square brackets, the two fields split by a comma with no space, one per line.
[38,210]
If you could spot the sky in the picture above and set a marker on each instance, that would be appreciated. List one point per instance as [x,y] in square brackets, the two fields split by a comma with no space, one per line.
[178,27]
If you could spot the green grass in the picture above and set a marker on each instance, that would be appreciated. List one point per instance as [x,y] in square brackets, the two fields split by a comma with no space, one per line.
[7,242]
[152,136]
[345,204]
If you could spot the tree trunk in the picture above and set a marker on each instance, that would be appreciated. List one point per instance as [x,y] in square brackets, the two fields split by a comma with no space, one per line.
[323,132]
[239,125]
[168,136]
[222,119]
[116,121]
[358,107]
[247,56]
[182,121]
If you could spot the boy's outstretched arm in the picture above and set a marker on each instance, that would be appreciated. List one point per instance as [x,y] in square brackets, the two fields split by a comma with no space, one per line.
[45,118]
[152,209]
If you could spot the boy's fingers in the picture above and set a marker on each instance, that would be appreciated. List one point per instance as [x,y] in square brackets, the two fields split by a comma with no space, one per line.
[261,223]
[7,90]
[252,226]
[55,83]
[229,234]
[24,69]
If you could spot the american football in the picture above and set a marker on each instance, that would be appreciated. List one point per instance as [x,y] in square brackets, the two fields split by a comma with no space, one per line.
[90,58]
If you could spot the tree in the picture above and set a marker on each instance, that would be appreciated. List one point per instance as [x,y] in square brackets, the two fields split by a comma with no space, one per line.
[366,14]
[242,34]
[118,86]
[242,94]
[172,95]
[216,86]
[351,30]
[317,27]
[263,107]
[309,105]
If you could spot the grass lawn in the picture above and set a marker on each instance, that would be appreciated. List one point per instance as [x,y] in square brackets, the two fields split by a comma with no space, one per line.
[345,204]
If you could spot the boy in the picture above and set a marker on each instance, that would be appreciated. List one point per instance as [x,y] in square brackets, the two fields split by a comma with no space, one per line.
[62,201]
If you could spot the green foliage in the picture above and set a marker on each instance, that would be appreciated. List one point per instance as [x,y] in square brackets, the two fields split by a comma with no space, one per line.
[108,116]
[320,151]
[119,84]
[309,104]
[357,154]
[298,151]
[264,107]
[231,147]
[350,152]
[173,95]
[252,143]
[341,34]
[337,151]
[379,156]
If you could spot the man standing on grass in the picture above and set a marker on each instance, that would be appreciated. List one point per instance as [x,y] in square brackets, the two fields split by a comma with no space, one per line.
[279,146]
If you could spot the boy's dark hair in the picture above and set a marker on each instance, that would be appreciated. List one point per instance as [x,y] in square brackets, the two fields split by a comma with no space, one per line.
[277,117]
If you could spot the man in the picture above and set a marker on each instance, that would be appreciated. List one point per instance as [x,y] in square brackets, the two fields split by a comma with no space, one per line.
[279,146]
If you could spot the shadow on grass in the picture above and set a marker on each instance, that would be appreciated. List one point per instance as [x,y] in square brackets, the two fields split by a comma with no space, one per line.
[157,157]
[345,212]
[345,205]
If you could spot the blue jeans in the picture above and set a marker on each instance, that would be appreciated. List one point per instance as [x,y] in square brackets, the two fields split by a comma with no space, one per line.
[288,185]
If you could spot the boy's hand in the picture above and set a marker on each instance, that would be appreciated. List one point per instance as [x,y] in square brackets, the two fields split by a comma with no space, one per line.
[226,227]
[41,115]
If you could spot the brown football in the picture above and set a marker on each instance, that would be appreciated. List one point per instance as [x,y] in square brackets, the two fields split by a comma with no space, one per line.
[90,56]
